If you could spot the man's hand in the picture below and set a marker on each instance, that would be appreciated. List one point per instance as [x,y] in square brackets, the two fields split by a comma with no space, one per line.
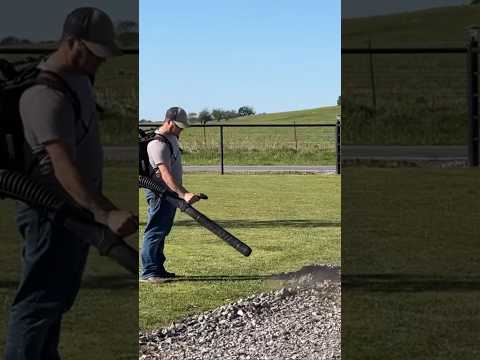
[165,174]
[191,198]
[122,222]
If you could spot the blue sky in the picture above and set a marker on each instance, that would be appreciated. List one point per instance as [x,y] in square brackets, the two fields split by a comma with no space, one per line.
[357,8]
[274,55]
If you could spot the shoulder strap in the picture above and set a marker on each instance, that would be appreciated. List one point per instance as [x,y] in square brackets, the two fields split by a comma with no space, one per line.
[164,139]
[56,82]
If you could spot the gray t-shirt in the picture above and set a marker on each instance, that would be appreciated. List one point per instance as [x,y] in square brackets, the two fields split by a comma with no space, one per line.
[48,115]
[159,153]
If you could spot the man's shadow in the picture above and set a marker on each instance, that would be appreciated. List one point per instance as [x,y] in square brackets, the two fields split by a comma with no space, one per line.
[410,282]
[255,224]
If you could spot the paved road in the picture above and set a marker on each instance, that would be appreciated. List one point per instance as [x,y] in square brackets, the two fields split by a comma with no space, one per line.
[130,154]
[412,153]
[434,154]
[255,169]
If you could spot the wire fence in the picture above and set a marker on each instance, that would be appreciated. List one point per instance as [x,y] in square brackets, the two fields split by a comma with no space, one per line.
[261,144]
[305,144]
[413,96]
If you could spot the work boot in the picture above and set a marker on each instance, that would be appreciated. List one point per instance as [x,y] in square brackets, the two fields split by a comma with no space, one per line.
[160,278]
[167,275]
[153,280]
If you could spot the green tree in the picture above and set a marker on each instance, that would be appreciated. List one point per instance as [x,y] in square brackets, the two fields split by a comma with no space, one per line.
[126,26]
[246,111]
[193,116]
[127,33]
[218,114]
[230,114]
[205,116]
[13,40]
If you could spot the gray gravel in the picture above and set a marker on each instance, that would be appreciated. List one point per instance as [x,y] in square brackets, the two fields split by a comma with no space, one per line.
[300,322]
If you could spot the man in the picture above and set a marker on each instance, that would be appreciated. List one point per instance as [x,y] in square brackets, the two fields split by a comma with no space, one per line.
[165,159]
[67,156]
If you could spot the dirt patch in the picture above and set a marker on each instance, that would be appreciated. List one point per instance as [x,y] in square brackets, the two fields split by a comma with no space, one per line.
[311,274]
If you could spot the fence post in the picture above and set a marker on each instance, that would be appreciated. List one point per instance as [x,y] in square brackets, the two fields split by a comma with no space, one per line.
[472,68]
[372,76]
[204,135]
[221,150]
[295,136]
[338,143]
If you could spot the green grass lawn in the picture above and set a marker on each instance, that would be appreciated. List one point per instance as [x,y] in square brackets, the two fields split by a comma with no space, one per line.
[407,219]
[410,253]
[104,319]
[289,221]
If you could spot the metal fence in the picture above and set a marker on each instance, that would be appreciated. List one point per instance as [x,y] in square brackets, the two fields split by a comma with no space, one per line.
[221,127]
[132,51]
[471,50]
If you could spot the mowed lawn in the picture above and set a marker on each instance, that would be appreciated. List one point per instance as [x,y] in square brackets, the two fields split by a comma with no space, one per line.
[410,263]
[104,319]
[289,221]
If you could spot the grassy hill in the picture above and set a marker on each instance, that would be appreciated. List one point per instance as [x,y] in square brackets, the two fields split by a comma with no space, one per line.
[324,115]
[434,27]
[266,146]
[421,99]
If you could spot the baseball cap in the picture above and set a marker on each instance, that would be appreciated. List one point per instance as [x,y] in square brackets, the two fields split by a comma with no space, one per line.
[95,29]
[178,116]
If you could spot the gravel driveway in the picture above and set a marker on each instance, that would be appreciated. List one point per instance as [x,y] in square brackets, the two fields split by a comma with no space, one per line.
[301,321]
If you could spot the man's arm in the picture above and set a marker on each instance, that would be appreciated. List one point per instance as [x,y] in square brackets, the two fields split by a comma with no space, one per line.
[165,174]
[121,222]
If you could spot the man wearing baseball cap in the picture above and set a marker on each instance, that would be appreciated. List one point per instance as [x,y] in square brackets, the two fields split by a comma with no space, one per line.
[165,158]
[95,29]
[68,159]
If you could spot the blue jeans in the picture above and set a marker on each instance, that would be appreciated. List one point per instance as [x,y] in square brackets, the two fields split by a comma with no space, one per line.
[53,264]
[160,216]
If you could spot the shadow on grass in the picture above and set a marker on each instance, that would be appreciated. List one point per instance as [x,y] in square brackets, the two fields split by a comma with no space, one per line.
[409,282]
[215,278]
[90,282]
[316,272]
[264,223]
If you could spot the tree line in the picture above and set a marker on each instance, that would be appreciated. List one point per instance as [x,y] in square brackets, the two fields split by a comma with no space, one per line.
[206,116]
[126,31]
